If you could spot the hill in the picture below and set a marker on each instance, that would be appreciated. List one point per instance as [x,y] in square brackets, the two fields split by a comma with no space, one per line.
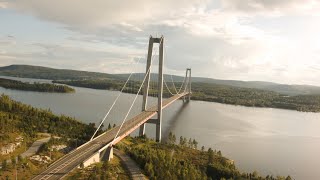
[39,72]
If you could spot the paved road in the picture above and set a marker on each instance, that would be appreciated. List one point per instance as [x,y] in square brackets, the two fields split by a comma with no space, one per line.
[133,168]
[70,161]
[35,147]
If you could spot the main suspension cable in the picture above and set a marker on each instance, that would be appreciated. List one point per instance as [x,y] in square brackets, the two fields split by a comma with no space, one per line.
[165,83]
[184,79]
[174,86]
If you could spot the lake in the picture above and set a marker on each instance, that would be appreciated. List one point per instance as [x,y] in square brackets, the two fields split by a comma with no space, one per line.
[271,141]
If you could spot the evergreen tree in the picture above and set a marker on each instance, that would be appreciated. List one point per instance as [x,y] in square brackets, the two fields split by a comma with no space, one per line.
[190,143]
[4,165]
[174,139]
[195,144]
[210,156]
[181,141]
[13,161]
[20,158]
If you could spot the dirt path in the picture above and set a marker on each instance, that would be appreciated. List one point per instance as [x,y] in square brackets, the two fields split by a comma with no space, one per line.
[133,168]
[34,147]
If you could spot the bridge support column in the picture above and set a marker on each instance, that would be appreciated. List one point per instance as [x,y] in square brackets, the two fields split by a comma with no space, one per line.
[160,86]
[105,155]
[146,83]
[109,153]
[160,90]
[188,85]
[93,159]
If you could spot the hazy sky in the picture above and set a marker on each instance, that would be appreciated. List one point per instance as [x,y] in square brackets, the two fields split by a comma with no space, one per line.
[268,40]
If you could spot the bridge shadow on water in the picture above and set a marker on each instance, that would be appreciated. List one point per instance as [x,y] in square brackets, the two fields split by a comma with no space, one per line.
[173,121]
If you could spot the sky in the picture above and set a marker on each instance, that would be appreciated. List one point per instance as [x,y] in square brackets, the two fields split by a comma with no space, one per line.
[251,40]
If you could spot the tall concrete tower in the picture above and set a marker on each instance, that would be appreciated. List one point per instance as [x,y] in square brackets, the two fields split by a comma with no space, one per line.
[157,121]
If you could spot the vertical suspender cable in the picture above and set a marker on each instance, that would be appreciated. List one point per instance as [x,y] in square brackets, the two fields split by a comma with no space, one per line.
[114,102]
[131,106]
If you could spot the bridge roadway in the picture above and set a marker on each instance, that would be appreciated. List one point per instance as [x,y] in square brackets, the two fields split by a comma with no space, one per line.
[70,161]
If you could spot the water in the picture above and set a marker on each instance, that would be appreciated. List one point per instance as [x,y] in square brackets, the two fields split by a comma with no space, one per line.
[271,141]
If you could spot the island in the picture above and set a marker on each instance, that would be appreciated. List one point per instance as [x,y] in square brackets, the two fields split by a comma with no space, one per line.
[39,87]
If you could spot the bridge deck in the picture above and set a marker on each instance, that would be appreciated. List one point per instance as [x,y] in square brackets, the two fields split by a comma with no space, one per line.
[70,161]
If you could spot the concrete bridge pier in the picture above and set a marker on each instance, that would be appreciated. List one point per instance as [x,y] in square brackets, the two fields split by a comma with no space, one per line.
[104,155]
[107,154]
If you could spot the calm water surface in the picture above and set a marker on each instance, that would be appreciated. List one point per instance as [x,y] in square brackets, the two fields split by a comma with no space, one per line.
[271,141]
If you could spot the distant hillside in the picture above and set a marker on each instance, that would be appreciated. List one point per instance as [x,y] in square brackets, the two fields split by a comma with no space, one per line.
[27,71]
[269,86]
[39,72]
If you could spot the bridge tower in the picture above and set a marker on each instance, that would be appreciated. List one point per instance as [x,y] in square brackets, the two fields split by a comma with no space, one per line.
[188,83]
[157,121]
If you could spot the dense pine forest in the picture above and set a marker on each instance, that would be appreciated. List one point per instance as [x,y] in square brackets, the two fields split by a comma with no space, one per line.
[40,87]
[254,97]
[22,118]
[182,160]
[170,160]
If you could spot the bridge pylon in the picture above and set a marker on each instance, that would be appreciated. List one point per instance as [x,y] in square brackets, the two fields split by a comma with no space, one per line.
[157,121]
[188,84]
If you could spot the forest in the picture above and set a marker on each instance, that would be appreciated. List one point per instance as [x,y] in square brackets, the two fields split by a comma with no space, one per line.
[40,87]
[218,93]
[173,159]
[22,118]
[181,159]
[26,121]
[38,72]
[254,97]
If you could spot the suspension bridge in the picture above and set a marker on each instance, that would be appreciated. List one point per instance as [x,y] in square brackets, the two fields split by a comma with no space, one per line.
[101,146]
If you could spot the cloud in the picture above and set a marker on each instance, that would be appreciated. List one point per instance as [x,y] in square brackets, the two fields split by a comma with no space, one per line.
[273,7]
[127,18]
[90,13]
[219,40]
[73,57]
[7,40]
[3,5]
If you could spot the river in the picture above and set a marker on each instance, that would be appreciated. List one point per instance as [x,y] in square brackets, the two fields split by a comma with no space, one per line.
[271,141]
